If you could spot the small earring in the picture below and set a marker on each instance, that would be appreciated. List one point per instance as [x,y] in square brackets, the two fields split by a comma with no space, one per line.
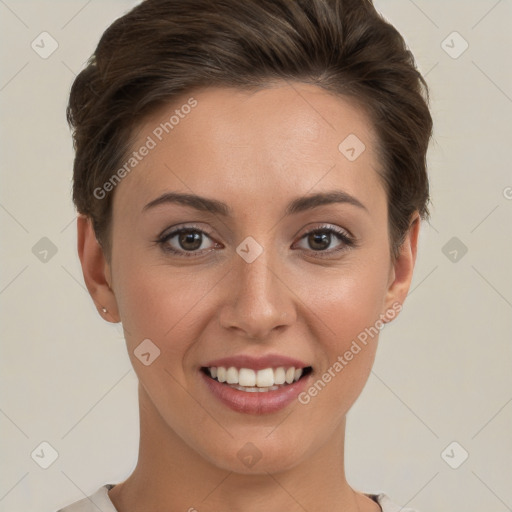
[104,310]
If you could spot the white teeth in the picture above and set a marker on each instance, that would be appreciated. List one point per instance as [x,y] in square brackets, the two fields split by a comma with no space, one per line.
[232,375]
[248,379]
[221,374]
[279,375]
[264,378]
[254,389]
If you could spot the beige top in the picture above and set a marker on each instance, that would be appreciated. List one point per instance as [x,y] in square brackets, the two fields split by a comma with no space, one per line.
[100,502]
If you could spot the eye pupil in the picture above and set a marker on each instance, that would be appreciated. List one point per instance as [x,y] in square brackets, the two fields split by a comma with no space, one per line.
[323,238]
[190,237]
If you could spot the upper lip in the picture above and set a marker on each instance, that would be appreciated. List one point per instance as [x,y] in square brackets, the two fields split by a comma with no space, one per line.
[257,363]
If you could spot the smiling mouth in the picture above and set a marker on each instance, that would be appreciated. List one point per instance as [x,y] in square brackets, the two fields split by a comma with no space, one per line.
[256,381]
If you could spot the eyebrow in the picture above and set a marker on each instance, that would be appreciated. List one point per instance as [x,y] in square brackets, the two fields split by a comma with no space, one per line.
[298,205]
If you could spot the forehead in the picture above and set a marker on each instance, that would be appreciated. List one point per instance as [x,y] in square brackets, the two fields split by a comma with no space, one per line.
[284,139]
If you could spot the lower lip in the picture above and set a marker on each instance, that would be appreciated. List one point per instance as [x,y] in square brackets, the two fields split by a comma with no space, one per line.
[258,402]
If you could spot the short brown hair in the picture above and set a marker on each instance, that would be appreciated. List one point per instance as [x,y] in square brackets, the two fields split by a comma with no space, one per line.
[164,48]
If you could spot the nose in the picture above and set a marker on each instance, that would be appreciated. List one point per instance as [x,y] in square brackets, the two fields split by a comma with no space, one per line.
[258,299]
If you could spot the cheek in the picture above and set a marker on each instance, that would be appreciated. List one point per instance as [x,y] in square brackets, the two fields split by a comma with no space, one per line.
[347,335]
[163,304]
[347,303]
[346,299]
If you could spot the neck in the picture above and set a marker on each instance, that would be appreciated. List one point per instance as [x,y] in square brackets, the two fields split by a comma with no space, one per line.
[170,475]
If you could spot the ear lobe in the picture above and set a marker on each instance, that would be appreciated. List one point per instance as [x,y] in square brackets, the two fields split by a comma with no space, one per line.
[401,272]
[96,270]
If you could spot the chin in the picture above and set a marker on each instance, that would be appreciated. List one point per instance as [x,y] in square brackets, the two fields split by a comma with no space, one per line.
[260,456]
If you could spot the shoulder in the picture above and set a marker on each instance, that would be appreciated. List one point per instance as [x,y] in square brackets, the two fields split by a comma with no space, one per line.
[387,505]
[99,500]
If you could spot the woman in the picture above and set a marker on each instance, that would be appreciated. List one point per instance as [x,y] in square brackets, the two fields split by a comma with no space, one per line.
[250,178]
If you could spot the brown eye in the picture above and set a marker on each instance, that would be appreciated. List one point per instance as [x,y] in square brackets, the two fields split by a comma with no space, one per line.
[185,242]
[190,241]
[320,239]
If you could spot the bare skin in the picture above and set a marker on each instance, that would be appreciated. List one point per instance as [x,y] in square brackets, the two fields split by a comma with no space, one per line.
[256,152]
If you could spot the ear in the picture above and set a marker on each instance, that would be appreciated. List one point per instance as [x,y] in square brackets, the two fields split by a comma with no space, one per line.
[401,271]
[96,270]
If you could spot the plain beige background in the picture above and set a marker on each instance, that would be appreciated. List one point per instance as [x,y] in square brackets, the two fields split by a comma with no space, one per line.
[442,372]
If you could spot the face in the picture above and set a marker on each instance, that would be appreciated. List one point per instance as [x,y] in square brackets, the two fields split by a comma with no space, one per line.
[265,280]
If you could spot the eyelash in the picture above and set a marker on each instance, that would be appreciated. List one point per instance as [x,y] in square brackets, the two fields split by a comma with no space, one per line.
[342,236]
